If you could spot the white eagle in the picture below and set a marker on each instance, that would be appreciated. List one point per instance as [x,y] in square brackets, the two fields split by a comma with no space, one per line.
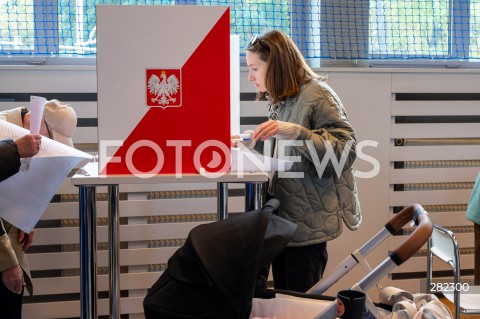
[163,89]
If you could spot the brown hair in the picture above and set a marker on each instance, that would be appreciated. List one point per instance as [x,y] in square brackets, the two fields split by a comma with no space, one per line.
[287,69]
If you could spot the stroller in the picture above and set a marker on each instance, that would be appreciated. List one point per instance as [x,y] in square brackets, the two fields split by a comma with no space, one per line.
[215,273]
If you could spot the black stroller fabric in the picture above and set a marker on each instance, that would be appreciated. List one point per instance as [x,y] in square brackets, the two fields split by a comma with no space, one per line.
[213,274]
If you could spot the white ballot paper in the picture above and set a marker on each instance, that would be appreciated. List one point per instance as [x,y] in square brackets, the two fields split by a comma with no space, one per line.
[37,105]
[245,160]
[25,195]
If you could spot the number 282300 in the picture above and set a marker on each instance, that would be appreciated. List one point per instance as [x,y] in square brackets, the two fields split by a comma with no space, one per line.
[448,287]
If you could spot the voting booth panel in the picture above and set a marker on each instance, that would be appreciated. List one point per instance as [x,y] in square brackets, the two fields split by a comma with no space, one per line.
[163,89]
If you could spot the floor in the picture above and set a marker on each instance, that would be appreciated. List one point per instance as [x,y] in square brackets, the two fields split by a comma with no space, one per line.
[462,316]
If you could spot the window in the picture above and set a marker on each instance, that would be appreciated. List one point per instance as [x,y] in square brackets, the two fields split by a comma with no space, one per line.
[335,30]
[17,26]
[438,29]
[249,17]
[409,28]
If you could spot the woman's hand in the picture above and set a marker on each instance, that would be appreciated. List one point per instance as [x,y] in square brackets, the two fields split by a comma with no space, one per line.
[265,130]
[242,140]
[234,140]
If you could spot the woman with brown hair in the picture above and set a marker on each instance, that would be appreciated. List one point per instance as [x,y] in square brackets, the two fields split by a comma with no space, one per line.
[307,121]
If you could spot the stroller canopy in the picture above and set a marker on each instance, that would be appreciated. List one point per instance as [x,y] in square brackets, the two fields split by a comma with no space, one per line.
[213,274]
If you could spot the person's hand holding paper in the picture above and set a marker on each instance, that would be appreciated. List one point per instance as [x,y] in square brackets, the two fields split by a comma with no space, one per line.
[28,145]
[37,105]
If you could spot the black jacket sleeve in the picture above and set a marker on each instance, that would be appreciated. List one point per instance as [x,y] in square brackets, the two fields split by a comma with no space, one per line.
[9,163]
[9,159]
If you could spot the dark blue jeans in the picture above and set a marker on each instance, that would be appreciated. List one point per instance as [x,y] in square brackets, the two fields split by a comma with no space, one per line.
[299,268]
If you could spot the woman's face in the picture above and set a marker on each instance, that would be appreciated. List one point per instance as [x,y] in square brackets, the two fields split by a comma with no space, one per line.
[257,70]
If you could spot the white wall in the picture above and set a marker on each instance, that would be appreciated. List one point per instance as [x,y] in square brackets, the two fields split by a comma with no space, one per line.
[369,97]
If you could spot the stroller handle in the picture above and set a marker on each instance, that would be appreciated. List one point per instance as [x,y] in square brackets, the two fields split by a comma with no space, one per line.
[405,216]
[419,236]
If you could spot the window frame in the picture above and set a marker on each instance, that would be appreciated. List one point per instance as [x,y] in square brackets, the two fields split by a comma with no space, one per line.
[312,25]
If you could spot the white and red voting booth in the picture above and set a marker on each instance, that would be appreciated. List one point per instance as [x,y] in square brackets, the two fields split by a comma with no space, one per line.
[164,91]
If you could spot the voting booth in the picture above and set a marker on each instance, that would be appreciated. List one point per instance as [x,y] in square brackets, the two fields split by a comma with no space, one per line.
[164,90]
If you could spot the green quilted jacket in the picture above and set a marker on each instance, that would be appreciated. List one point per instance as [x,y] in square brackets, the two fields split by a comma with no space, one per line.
[324,196]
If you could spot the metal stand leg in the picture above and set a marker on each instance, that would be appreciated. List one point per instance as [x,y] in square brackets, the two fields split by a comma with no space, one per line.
[222,200]
[254,198]
[88,252]
[113,260]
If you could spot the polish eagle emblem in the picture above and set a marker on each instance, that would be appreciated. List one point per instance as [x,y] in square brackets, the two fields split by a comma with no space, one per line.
[162,90]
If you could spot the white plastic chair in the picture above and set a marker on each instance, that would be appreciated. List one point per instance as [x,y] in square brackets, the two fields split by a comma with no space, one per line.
[444,246]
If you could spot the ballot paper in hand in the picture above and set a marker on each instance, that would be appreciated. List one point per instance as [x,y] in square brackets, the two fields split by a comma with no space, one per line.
[37,106]
[245,160]
[25,195]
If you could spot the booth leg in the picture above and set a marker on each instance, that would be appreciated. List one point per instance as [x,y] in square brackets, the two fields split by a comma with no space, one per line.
[254,197]
[222,200]
[88,252]
[113,260]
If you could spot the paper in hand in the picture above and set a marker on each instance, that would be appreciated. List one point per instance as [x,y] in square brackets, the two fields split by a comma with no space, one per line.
[37,105]
[25,195]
